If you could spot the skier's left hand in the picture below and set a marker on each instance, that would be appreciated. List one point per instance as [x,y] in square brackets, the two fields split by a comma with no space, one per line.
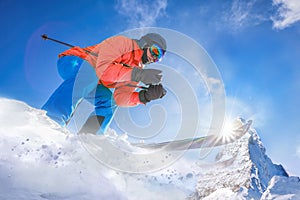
[152,93]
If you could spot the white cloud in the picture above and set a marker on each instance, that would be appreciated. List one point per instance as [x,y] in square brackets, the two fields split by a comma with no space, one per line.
[243,13]
[288,13]
[240,12]
[141,13]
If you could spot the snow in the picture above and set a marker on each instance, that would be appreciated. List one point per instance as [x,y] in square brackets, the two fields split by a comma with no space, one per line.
[283,188]
[41,160]
[250,175]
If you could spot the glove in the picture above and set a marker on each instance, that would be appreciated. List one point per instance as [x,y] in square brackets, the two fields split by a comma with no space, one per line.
[152,93]
[147,76]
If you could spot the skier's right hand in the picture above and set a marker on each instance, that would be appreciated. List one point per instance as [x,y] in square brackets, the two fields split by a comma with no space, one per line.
[147,76]
[152,93]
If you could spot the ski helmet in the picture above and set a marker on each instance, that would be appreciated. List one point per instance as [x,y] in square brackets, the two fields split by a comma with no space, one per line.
[153,39]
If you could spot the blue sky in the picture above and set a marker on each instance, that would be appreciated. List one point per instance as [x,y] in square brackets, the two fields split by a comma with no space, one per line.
[255,45]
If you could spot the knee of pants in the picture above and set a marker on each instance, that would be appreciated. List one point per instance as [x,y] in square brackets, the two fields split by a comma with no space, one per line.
[104,106]
[68,66]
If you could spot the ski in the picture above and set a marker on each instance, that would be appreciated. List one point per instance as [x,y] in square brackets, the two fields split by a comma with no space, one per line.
[199,142]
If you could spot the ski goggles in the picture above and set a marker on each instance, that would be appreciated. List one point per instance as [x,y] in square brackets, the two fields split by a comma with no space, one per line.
[156,52]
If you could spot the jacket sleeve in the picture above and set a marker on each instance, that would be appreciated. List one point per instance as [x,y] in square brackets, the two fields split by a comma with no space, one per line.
[82,53]
[115,73]
[126,96]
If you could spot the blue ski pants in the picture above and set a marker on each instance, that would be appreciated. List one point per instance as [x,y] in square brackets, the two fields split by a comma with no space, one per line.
[80,82]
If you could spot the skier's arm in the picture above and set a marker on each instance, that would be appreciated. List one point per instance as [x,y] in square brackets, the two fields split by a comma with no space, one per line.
[82,53]
[115,73]
[126,96]
[112,53]
[78,51]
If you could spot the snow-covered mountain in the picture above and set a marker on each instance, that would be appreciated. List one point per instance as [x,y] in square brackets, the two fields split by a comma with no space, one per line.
[249,175]
[41,160]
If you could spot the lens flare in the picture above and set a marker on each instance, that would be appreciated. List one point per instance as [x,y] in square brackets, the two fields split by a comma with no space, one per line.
[230,129]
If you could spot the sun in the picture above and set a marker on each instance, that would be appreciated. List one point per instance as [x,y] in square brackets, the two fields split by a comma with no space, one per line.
[229,129]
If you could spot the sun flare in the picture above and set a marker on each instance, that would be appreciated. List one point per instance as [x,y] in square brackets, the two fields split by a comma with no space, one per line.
[229,129]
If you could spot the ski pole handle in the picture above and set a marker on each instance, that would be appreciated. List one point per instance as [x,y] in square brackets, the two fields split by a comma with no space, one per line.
[45,37]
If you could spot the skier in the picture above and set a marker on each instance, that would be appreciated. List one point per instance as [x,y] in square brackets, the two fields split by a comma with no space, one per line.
[118,63]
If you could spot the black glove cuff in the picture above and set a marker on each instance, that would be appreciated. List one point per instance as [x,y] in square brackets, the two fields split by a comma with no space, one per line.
[142,97]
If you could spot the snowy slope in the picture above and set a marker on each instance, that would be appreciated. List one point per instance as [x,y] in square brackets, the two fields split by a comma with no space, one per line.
[283,188]
[41,160]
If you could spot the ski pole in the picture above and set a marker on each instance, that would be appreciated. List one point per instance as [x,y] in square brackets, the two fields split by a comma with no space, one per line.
[45,37]
[138,86]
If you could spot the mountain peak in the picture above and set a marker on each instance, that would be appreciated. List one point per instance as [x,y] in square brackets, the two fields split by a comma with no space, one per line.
[247,175]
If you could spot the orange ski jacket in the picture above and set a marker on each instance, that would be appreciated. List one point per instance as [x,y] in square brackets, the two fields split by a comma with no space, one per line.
[117,56]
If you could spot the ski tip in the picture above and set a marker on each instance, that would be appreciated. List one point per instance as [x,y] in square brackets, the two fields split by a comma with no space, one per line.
[250,122]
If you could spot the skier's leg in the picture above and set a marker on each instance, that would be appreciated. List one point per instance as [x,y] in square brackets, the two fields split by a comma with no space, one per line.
[105,108]
[62,102]
[68,66]
[92,124]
